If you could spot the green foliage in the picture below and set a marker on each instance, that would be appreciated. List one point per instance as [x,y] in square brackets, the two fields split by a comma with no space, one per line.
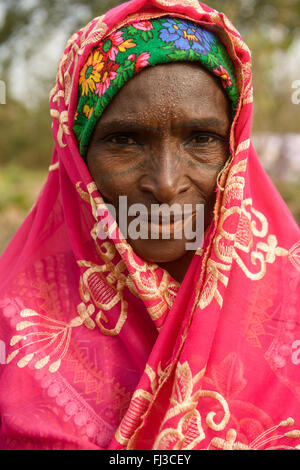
[19,188]
[291,195]
[25,135]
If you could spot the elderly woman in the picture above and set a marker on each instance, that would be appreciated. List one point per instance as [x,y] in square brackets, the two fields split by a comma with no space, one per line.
[117,341]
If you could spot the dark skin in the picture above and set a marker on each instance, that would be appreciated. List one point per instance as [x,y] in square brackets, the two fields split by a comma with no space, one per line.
[163,139]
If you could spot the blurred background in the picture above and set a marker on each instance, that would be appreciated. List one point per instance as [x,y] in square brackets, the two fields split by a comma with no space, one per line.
[33,34]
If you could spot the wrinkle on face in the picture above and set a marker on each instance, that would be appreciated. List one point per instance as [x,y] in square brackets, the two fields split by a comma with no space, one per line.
[163,139]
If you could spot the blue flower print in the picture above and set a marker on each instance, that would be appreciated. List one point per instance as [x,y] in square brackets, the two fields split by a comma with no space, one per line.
[205,38]
[186,35]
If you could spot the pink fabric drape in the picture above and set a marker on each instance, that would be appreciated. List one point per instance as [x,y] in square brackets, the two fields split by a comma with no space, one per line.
[101,350]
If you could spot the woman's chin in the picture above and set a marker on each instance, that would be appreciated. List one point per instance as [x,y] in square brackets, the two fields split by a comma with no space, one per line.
[159,251]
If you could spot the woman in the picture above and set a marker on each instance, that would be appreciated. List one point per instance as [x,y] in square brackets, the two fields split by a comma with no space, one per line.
[127,343]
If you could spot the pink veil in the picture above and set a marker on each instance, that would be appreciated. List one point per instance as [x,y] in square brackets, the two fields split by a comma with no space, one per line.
[105,351]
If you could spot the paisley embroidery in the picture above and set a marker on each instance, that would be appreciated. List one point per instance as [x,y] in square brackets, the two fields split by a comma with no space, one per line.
[189,431]
[44,340]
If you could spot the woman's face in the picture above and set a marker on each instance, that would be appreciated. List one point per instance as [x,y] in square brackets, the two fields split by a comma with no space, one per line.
[162,140]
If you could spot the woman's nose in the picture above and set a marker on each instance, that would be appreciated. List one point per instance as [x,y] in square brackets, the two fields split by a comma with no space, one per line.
[165,177]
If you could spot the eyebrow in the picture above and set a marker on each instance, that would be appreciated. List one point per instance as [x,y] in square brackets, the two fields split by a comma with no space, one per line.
[209,122]
[206,123]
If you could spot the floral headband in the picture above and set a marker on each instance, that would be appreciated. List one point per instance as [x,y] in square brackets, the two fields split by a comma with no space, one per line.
[129,50]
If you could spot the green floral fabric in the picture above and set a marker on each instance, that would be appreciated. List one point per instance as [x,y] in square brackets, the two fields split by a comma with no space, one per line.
[130,49]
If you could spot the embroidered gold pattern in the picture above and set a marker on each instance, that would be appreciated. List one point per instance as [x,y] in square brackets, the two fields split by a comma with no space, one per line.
[294,255]
[63,127]
[252,238]
[217,271]
[139,404]
[109,280]
[53,167]
[263,252]
[185,400]
[189,431]
[229,443]
[105,290]
[188,3]
[63,86]
[51,336]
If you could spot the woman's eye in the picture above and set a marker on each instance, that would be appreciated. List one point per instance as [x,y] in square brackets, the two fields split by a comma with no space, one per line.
[202,139]
[120,140]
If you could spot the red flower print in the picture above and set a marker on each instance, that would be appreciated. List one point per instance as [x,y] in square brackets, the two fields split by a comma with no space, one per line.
[109,73]
[131,57]
[143,25]
[142,61]
[115,43]
[226,80]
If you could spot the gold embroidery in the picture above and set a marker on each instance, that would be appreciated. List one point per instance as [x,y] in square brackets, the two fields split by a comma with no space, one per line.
[242,147]
[210,288]
[294,255]
[109,280]
[63,86]
[248,92]
[63,127]
[53,167]
[105,290]
[188,3]
[186,436]
[234,191]
[262,441]
[156,379]
[44,332]
[235,35]
[189,431]
[260,302]
[229,443]
[139,405]
[92,32]
[253,225]
[251,237]
[94,35]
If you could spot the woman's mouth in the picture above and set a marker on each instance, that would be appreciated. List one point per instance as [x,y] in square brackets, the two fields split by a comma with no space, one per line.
[169,228]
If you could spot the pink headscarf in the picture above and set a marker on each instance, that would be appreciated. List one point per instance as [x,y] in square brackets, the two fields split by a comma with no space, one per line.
[101,350]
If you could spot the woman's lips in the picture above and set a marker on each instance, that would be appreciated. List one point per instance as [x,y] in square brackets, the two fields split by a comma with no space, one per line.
[173,227]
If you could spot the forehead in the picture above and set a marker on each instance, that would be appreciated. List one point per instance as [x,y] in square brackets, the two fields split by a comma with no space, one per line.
[170,89]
